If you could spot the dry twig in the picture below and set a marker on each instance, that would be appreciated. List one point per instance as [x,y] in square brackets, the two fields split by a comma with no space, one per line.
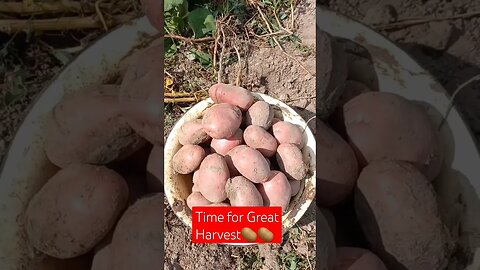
[191,40]
[100,15]
[220,64]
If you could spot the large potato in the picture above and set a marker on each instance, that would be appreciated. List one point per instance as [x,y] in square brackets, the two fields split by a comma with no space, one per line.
[242,192]
[276,191]
[212,176]
[229,160]
[87,127]
[223,146]
[251,164]
[192,133]
[286,132]
[222,120]
[398,212]
[290,161]
[258,138]
[155,169]
[141,95]
[235,95]
[260,114]
[138,238]
[337,167]
[75,209]
[351,258]
[386,126]
[188,158]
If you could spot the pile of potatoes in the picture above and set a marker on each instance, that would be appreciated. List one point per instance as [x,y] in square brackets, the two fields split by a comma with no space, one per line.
[239,154]
[378,154]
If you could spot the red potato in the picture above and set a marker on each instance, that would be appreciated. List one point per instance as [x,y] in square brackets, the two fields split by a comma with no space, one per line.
[195,188]
[260,114]
[197,199]
[276,191]
[337,166]
[213,175]
[223,146]
[222,120]
[195,176]
[141,95]
[235,95]
[351,258]
[188,158]
[286,132]
[192,133]
[398,212]
[290,160]
[155,169]
[102,259]
[295,186]
[138,238]
[97,135]
[258,138]
[75,210]
[251,164]
[154,12]
[242,192]
[229,160]
[383,125]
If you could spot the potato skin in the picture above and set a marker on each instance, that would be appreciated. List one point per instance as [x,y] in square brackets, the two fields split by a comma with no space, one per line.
[98,135]
[188,158]
[295,186]
[325,244]
[258,138]
[286,132]
[337,166]
[276,191]
[251,164]
[260,114]
[222,120]
[102,259]
[235,95]
[197,199]
[398,212]
[229,160]
[351,258]
[75,210]
[192,132]
[290,161]
[155,169]
[213,174]
[223,146]
[403,131]
[353,89]
[138,238]
[242,192]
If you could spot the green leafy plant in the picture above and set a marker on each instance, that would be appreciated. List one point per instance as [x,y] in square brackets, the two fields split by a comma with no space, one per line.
[175,14]
[202,22]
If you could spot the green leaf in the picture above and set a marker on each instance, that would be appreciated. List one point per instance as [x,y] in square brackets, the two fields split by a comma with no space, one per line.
[175,4]
[203,57]
[170,48]
[202,22]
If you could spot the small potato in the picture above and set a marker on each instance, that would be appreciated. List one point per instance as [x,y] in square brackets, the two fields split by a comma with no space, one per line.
[222,120]
[155,169]
[265,234]
[260,114]
[197,199]
[102,259]
[242,192]
[295,186]
[213,175]
[259,139]
[138,238]
[286,132]
[290,161]
[251,164]
[188,158]
[228,159]
[225,93]
[223,146]
[192,133]
[75,210]
[276,191]
[352,258]
[249,235]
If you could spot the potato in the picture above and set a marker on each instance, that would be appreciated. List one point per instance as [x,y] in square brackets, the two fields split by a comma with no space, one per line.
[192,133]
[258,138]
[249,234]
[102,259]
[97,135]
[398,212]
[138,238]
[352,258]
[242,192]
[251,164]
[223,146]
[290,161]
[295,186]
[286,132]
[222,120]
[260,114]
[75,209]
[333,68]
[276,191]
[188,158]
[265,234]
[220,204]
[352,89]
[195,188]
[43,262]
[332,222]
[141,96]
[197,199]
[228,159]
[235,95]
[155,169]
[337,167]
[402,131]
[154,12]
[212,176]
[325,244]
